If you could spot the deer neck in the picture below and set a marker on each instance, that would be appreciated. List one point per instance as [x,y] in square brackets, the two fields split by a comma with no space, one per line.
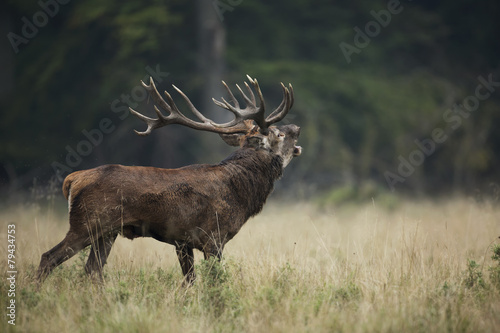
[255,163]
[251,176]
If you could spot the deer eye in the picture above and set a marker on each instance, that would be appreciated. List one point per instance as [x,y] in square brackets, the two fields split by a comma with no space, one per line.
[281,134]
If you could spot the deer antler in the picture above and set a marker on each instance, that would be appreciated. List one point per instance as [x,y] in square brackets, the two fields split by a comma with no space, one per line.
[237,125]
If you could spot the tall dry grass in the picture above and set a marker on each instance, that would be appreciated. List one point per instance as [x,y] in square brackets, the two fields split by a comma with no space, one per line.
[421,267]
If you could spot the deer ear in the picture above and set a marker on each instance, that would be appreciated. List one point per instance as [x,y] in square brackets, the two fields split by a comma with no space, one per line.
[232,139]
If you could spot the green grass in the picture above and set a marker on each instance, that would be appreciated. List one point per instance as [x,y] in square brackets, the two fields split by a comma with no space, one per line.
[420,267]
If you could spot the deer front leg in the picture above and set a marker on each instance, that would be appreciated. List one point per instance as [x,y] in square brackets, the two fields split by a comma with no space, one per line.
[186,259]
[99,253]
[213,250]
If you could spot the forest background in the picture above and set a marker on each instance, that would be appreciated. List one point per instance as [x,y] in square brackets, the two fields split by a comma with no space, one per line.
[392,96]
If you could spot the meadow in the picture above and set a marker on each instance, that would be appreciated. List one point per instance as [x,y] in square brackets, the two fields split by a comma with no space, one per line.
[421,266]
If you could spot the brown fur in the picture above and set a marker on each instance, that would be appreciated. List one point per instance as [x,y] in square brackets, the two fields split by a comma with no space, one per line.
[195,207]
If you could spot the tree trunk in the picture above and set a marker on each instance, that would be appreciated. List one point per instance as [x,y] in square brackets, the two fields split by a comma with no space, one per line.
[6,56]
[212,47]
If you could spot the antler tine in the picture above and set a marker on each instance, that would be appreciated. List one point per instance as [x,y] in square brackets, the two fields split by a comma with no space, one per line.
[286,104]
[154,123]
[149,121]
[191,107]
[250,79]
[248,101]
[233,99]
[260,114]
[282,104]
[251,111]
[252,96]
[238,117]
[259,92]
[157,97]
[225,105]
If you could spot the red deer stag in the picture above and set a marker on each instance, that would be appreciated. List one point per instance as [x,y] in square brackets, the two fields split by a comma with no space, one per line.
[195,207]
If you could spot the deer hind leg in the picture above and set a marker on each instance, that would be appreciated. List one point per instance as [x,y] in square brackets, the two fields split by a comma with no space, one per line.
[70,245]
[186,259]
[99,253]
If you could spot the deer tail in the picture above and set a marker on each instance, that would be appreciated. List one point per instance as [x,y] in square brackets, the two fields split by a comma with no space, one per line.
[66,188]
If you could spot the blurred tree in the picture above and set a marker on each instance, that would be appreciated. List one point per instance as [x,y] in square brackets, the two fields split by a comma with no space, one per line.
[358,118]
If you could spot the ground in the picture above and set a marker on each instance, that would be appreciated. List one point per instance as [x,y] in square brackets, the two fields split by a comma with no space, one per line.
[418,266]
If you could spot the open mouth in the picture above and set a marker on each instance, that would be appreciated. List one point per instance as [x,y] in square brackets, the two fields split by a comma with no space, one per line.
[297,150]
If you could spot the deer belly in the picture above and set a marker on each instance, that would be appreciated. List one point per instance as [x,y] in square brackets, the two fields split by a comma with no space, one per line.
[132,231]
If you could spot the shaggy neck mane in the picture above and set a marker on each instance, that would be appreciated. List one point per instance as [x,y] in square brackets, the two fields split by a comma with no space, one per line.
[251,176]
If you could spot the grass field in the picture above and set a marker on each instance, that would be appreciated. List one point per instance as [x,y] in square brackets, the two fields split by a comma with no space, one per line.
[420,267]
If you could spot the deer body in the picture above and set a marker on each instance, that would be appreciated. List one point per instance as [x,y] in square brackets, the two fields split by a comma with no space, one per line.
[189,205]
[195,207]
